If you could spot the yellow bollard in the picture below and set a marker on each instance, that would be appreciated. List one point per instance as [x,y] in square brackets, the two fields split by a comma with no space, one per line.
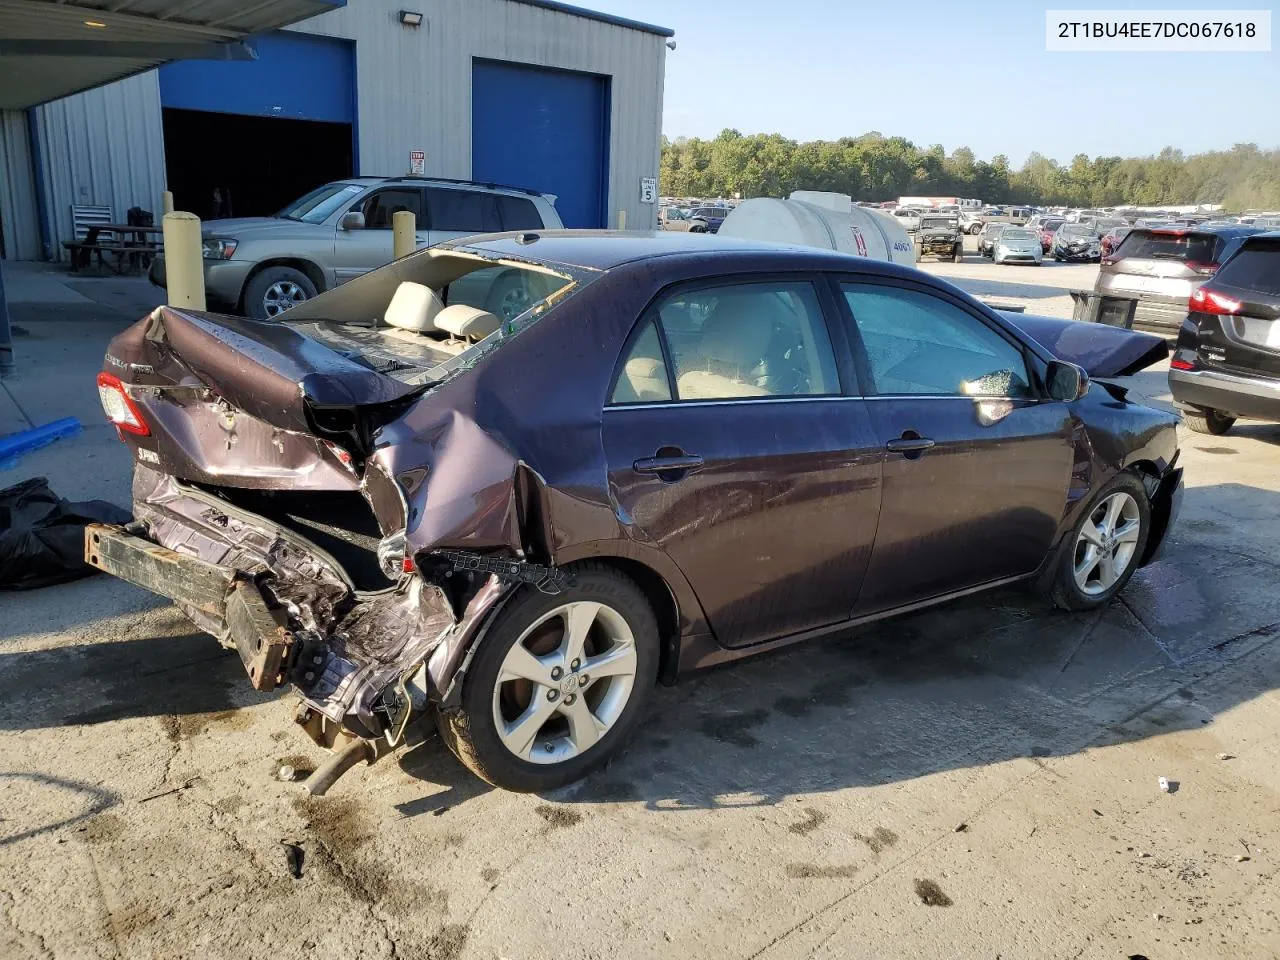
[403,229]
[622,219]
[183,261]
[166,201]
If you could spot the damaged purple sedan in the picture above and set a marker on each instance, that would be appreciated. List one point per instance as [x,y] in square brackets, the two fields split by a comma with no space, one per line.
[682,453]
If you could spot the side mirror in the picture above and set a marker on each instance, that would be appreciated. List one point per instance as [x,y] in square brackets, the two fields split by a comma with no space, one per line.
[351,220]
[1067,382]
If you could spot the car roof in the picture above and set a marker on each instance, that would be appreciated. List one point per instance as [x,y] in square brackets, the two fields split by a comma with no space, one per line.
[373,181]
[605,249]
[1226,230]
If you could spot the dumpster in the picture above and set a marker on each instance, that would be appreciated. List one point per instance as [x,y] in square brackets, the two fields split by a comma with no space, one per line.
[1115,310]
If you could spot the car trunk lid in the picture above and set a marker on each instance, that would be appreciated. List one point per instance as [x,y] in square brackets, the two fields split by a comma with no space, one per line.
[1101,350]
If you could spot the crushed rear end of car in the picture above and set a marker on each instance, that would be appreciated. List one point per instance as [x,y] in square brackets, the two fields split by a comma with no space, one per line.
[284,505]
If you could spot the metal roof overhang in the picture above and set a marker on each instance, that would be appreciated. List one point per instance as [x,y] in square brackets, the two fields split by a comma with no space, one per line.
[51,49]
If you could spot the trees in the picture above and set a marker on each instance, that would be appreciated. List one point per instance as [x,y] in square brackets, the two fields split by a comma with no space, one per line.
[876,167]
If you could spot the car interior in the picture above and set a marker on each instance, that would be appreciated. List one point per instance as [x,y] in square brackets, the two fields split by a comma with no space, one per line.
[757,340]
[412,319]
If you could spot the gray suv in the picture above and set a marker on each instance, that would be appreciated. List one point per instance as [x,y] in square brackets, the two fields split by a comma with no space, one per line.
[1161,268]
[262,266]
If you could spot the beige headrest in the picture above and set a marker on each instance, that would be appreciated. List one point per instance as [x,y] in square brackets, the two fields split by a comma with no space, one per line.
[467,322]
[414,307]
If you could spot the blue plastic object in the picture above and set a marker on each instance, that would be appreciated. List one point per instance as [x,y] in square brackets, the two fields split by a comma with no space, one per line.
[14,446]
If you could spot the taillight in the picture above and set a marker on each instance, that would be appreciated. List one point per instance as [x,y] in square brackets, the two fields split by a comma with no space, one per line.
[1202,266]
[1179,364]
[119,407]
[1204,300]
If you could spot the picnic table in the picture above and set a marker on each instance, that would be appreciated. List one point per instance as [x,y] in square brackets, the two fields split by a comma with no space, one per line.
[124,250]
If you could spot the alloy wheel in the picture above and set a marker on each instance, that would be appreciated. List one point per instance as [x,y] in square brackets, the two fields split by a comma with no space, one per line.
[282,295]
[565,682]
[1107,543]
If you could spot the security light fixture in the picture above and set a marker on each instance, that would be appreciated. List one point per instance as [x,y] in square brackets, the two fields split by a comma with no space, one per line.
[95,24]
[410,18]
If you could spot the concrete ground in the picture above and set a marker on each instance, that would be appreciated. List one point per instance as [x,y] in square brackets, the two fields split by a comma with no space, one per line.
[980,780]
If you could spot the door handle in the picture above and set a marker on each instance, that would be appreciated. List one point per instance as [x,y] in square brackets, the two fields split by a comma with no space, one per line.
[679,465]
[911,445]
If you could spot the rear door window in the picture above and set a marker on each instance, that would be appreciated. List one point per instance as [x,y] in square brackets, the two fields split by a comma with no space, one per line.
[1256,267]
[747,340]
[463,211]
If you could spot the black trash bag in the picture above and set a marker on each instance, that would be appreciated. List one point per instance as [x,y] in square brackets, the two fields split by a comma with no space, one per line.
[42,535]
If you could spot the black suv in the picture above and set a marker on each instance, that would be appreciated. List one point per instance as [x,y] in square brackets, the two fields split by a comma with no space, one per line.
[1227,360]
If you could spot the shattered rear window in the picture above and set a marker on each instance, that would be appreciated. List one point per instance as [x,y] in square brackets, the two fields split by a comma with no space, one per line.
[505,298]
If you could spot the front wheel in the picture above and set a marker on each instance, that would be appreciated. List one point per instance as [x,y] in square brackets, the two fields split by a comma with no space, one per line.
[558,684]
[1104,548]
[272,291]
[1212,422]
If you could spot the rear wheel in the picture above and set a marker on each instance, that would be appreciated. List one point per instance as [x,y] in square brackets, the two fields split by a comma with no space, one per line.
[1213,422]
[558,684]
[1104,547]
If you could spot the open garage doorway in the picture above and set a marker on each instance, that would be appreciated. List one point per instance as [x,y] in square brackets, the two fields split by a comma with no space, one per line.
[256,165]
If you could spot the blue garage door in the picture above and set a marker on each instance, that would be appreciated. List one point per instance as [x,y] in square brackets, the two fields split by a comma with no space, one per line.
[296,76]
[543,129]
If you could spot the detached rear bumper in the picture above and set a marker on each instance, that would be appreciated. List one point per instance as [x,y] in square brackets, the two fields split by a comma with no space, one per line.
[360,659]
[230,602]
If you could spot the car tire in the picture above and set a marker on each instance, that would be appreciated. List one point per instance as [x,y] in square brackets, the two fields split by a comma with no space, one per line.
[509,296]
[1120,518]
[493,694]
[1213,422]
[273,290]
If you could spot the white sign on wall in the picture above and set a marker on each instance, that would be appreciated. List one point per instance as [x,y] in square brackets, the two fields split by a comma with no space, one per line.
[648,189]
[417,162]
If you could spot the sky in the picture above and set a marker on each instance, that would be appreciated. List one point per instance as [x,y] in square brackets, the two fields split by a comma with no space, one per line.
[972,73]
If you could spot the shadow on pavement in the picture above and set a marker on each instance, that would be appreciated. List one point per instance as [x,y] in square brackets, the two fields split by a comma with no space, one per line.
[980,681]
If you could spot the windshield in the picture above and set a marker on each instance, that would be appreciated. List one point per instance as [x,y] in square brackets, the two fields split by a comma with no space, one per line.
[1008,235]
[673,214]
[937,223]
[1110,224]
[1074,230]
[1052,225]
[320,203]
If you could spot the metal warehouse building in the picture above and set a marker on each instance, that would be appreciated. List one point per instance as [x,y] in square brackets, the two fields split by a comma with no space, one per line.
[530,93]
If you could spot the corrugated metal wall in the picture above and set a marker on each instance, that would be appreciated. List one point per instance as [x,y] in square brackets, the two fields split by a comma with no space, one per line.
[414,84]
[17,189]
[103,146]
[413,93]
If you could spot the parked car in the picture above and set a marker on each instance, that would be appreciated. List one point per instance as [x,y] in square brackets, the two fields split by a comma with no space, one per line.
[680,221]
[1017,245]
[262,266]
[1076,241]
[1227,360]
[987,238]
[707,219]
[1108,242]
[909,217]
[1047,231]
[1163,268]
[939,236]
[971,222]
[405,529]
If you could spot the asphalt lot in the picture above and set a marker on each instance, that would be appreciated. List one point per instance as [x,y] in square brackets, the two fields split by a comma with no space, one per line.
[979,780]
